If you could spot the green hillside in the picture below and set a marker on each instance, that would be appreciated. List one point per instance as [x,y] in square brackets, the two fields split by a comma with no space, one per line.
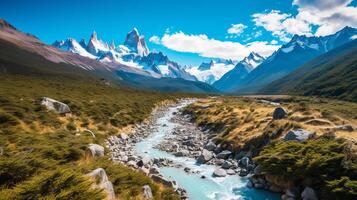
[332,75]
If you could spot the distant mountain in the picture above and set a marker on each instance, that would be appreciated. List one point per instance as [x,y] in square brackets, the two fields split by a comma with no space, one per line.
[289,57]
[133,53]
[25,55]
[209,72]
[239,72]
[333,74]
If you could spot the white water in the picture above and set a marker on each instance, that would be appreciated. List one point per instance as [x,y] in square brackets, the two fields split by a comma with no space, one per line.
[226,188]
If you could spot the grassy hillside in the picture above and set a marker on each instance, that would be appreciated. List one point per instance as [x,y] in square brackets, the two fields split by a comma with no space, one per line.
[333,75]
[43,153]
[327,163]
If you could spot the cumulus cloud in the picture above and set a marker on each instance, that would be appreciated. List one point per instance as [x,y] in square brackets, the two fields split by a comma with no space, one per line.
[155,39]
[236,29]
[321,4]
[328,16]
[212,48]
[281,25]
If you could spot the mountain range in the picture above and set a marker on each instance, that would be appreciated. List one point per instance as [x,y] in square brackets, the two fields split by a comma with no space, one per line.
[87,60]
[285,60]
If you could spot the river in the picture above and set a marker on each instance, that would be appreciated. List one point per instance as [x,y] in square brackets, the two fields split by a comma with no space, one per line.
[211,188]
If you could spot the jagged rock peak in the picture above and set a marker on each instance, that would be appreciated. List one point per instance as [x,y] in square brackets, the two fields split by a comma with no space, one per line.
[5,24]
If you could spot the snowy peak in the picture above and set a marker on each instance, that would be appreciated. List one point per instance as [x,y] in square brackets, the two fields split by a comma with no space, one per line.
[136,43]
[73,46]
[252,60]
[95,46]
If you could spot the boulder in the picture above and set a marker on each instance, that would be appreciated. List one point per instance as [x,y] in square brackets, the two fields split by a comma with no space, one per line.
[205,156]
[55,105]
[219,173]
[224,154]
[123,136]
[147,193]
[231,172]
[104,182]
[293,192]
[244,162]
[181,153]
[210,146]
[308,194]
[164,181]
[227,165]
[258,170]
[243,172]
[96,150]
[154,170]
[279,113]
[298,135]
[144,161]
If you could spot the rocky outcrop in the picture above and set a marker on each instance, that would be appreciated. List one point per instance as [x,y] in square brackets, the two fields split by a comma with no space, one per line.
[104,182]
[95,150]
[309,194]
[299,135]
[147,193]
[55,105]
[279,113]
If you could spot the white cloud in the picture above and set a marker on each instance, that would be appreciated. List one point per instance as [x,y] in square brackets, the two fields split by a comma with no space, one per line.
[155,39]
[328,15]
[212,48]
[281,25]
[321,4]
[236,29]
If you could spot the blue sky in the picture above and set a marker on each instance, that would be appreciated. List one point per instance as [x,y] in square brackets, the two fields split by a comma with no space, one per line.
[188,31]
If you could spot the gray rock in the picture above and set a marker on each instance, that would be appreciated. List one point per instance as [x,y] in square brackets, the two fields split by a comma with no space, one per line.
[298,135]
[219,173]
[210,146]
[243,172]
[104,182]
[164,181]
[279,113]
[144,161]
[186,169]
[123,136]
[293,192]
[147,193]
[240,155]
[231,172]
[205,156]
[244,162]
[309,194]
[96,150]
[227,165]
[249,184]
[154,170]
[132,163]
[224,154]
[346,127]
[182,153]
[55,105]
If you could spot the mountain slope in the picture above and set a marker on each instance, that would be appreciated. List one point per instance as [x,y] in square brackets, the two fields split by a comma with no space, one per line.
[289,57]
[333,74]
[239,72]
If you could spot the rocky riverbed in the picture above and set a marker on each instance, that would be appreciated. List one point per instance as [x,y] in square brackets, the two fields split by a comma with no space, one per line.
[183,146]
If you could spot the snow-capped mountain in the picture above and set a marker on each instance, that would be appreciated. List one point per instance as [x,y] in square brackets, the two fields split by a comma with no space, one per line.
[240,71]
[211,71]
[289,57]
[133,53]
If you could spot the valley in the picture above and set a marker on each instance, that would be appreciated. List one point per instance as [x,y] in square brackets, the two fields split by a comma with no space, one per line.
[209,101]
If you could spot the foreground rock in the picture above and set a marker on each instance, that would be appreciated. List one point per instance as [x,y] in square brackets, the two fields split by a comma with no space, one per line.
[279,113]
[95,150]
[147,193]
[299,135]
[104,182]
[205,156]
[55,105]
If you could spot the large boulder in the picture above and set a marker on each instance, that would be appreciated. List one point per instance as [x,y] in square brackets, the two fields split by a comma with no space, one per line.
[95,150]
[219,173]
[147,193]
[210,146]
[164,181]
[244,162]
[205,156]
[298,135]
[279,113]
[104,182]
[55,105]
[224,154]
[144,161]
[227,165]
[308,194]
